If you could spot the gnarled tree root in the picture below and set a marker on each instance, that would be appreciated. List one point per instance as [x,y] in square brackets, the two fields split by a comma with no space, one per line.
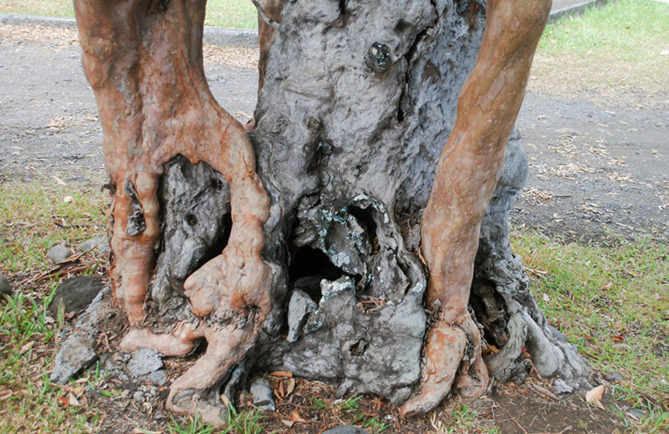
[467,173]
[143,59]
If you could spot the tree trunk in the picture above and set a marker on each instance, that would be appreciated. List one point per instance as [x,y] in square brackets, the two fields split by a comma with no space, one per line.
[326,279]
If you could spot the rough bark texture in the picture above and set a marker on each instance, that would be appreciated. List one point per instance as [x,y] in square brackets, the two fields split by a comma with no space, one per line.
[357,103]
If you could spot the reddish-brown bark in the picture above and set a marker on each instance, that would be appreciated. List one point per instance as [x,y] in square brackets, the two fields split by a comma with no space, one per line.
[466,176]
[143,59]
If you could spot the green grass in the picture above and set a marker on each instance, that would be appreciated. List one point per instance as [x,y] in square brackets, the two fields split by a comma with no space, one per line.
[629,29]
[613,304]
[33,402]
[239,14]
[239,422]
[220,13]
[620,45]
[34,218]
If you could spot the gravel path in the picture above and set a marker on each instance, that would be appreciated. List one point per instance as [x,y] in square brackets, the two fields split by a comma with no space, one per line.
[595,169]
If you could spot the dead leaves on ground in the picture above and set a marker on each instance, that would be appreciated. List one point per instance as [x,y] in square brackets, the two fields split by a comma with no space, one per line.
[594,396]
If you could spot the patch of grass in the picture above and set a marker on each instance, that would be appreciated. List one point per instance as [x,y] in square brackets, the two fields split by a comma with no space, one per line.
[620,45]
[239,422]
[349,411]
[35,217]
[613,304]
[30,402]
[54,8]
[220,13]
[239,14]
[32,219]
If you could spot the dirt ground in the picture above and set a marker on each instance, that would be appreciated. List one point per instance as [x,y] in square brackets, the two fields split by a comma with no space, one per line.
[597,169]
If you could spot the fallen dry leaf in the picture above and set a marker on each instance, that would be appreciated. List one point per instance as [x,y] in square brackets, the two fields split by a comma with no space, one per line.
[63,401]
[225,400]
[594,396]
[280,393]
[288,423]
[24,349]
[295,416]
[290,387]
[4,394]
[74,402]
[281,374]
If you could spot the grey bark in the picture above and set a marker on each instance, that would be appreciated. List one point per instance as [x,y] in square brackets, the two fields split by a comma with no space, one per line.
[358,101]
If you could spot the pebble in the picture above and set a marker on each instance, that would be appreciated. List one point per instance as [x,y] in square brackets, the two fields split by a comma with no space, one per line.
[143,362]
[636,414]
[76,353]
[58,254]
[158,377]
[614,377]
[5,287]
[138,396]
[562,387]
[75,293]
[299,307]
[261,392]
[99,243]
[345,429]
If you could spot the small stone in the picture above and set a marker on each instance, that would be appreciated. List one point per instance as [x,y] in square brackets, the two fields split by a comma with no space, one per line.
[75,294]
[158,377]
[138,396]
[5,287]
[614,377]
[261,392]
[345,429]
[143,362]
[76,353]
[58,254]
[562,387]
[636,413]
[299,307]
[99,243]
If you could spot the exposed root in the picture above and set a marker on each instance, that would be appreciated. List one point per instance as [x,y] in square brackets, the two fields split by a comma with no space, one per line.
[192,392]
[467,173]
[444,350]
[144,62]
[180,342]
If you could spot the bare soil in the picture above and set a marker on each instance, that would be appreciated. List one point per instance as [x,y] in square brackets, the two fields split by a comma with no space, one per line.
[598,170]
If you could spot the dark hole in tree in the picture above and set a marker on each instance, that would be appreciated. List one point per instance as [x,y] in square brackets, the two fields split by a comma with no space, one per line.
[220,243]
[309,266]
[365,219]
[215,183]
[359,348]
[191,219]
[488,307]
